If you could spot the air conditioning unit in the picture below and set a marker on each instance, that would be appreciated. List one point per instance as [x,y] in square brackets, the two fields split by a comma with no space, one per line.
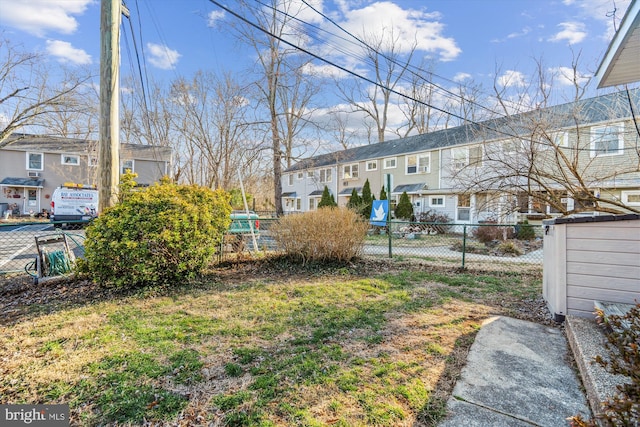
[424,169]
[34,174]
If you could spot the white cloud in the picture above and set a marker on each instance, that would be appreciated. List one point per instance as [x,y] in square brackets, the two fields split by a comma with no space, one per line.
[67,53]
[380,20]
[523,32]
[512,78]
[565,75]
[162,57]
[572,32]
[323,70]
[214,17]
[38,17]
[460,77]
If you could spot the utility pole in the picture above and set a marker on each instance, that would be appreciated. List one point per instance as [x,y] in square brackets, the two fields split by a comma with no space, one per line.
[109,143]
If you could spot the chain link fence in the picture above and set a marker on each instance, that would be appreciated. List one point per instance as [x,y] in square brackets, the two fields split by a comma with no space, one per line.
[459,244]
[39,249]
[454,244]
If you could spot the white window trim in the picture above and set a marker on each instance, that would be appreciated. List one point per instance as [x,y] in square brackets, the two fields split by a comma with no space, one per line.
[310,174]
[350,166]
[457,155]
[92,162]
[625,197]
[290,180]
[620,132]
[327,171]
[563,136]
[371,162]
[420,168]
[432,205]
[395,163]
[41,161]
[300,175]
[69,156]
[133,166]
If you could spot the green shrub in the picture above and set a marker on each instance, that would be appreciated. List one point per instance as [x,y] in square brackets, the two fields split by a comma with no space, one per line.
[163,233]
[623,345]
[526,231]
[404,210]
[327,234]
[327,199]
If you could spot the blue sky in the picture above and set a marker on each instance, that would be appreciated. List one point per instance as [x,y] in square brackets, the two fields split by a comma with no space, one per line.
[465,40]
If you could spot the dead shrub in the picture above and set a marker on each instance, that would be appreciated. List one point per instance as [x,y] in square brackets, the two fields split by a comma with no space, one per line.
[327,234]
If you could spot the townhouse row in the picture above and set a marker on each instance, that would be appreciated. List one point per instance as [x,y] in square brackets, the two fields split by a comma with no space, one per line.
[489,170]
[32,166]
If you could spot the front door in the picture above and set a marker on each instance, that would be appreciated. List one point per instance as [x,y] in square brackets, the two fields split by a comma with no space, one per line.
[31,204]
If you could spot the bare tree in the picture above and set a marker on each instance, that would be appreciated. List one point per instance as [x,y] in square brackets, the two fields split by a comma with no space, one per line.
[550,158]
[389,64]
[284,89]
[28,91]
[210,117]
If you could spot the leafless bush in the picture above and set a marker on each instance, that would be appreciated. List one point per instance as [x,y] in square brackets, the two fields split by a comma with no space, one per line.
[328,234]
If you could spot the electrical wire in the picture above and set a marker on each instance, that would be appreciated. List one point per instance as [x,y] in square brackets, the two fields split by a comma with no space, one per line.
[484,125]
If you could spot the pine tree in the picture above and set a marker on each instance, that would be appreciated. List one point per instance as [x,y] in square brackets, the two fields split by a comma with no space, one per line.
[404,210]
[327,199]
[355,201]
[367,200]
[383,194]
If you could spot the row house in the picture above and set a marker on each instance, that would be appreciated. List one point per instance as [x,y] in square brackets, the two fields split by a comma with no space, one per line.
[32,166]
[488,170]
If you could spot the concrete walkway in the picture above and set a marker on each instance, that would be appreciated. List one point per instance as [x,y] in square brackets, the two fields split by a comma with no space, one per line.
[516,375]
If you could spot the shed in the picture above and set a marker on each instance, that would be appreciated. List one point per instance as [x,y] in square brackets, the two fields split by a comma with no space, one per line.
[589,259]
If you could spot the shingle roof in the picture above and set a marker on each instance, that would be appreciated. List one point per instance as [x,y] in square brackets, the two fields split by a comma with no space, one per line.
[22,182]
[593,110]
[53,144]
[410,188]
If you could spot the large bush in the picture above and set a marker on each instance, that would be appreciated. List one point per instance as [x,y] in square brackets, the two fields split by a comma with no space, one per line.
[327,234]
[161,234]
[404,210]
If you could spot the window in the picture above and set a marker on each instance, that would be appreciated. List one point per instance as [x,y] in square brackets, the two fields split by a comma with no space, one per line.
[313,203]
[350,171]
[631,198]
[290,179]
[464,207]
[418,163]
[436,201]
[70,159]
[310,174]
[298,204]
[390,163]
[93,161]
[459,157]
[561,139]
[126,165]
[300,175]
[35,161]
[372,165]
[607,140]
[325,175]
[475,155]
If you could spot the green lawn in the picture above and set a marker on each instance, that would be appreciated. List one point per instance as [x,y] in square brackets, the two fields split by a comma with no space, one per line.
[358,345]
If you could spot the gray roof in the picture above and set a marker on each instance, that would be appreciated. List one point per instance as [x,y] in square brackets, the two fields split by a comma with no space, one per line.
[347,191]
[593,110]
[22,182]
[316,193]
[53,144]
[291,194]
[410,188]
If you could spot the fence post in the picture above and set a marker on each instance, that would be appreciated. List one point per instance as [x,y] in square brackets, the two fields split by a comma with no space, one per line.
[464,243]
[389,235]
